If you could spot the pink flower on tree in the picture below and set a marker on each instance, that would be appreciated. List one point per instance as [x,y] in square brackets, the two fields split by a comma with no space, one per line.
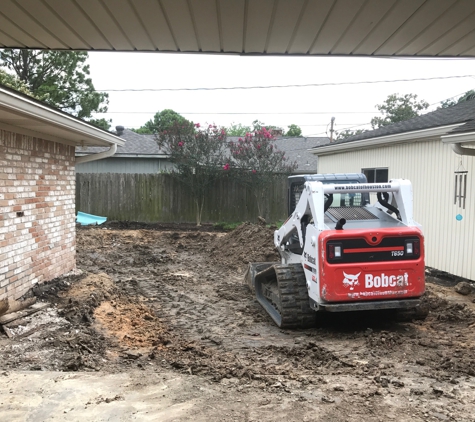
[226,166]
[197,125]
[180,144]
[254,171]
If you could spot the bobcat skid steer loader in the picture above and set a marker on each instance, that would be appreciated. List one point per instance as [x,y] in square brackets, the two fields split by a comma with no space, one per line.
[341,253]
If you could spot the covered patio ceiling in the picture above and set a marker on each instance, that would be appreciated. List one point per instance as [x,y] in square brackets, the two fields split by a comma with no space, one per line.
[403,28]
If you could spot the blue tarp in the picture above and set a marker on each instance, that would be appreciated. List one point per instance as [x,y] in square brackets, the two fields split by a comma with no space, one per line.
[87,219]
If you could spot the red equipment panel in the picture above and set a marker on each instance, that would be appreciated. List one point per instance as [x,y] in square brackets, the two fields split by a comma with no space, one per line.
[358,265]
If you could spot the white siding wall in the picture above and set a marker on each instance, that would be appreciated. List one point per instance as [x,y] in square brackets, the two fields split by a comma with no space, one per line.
[430,166]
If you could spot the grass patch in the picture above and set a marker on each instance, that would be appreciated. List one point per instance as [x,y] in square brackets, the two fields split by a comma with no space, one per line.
[226,226]
[231,226]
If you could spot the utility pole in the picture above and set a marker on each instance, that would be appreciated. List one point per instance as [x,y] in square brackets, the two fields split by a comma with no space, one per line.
[331,129]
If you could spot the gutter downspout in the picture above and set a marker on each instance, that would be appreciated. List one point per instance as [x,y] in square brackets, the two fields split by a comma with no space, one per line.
[99,156]
[460,150]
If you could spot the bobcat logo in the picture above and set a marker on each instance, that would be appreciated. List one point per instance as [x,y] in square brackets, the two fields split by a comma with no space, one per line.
[351,280]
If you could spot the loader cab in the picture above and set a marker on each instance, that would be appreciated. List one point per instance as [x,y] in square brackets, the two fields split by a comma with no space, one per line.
[296,185]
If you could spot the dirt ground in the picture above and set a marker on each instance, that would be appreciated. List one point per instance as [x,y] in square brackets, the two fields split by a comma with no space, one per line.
[168,304]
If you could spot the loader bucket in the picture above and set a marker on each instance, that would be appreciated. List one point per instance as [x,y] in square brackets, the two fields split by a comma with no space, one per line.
[252,270]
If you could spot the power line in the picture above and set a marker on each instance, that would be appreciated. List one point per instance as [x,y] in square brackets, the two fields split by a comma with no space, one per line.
[239,113]
[303,125]
[448,99]
[283,86]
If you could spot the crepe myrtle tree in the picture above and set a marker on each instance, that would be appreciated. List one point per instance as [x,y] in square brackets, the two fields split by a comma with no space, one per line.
[257,162]
[198,154]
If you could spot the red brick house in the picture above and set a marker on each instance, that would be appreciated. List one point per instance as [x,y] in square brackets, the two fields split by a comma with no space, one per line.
[37,191]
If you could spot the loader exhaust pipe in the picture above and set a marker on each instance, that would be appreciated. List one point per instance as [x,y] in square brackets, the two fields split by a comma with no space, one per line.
[340,223]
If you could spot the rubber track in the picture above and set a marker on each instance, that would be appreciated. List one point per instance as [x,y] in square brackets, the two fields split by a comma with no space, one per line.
[294,306]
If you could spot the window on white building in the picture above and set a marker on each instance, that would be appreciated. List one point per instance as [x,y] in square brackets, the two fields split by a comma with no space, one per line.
[376,175]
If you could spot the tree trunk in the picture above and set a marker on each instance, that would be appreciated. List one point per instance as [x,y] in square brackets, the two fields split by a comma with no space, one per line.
[198,212]
[260,199]
[201,209]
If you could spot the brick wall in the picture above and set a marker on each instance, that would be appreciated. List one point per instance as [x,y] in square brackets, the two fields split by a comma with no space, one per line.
[37,213]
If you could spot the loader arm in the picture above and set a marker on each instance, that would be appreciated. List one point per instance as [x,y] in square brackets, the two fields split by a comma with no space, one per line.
[312,205]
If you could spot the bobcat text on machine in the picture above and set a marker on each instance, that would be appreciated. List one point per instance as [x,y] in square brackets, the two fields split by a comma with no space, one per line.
[340,252]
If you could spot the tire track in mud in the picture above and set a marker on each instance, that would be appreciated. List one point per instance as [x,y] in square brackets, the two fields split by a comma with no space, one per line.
[215,328]
[201,298]
[215,310]
[180,300]
[226,320]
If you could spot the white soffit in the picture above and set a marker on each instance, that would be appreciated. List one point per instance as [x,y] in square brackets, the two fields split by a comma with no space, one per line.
[405,28]
[19,114]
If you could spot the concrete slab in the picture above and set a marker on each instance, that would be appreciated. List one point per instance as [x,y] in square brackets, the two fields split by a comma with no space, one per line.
[59,396]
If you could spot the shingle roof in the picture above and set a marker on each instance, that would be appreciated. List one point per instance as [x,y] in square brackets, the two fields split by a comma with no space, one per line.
[296,150]
[136,144]
[463,112]
[467,127]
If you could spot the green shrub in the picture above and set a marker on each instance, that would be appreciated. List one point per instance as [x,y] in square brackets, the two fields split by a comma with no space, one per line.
[226,226]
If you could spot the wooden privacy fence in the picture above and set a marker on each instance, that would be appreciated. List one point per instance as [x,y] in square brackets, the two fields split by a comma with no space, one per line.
[152,198]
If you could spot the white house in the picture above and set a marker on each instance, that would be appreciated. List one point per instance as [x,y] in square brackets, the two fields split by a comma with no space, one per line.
[436,153]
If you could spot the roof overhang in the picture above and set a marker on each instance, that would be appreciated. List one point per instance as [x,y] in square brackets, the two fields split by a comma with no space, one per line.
[459,138]
[406,137]
[461,143]
[22,115]
[402,28]
[79,153]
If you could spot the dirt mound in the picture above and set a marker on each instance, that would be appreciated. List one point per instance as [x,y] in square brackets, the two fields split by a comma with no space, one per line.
[132,325]
[247,243]
[442,310]
[97,301]
[85,296]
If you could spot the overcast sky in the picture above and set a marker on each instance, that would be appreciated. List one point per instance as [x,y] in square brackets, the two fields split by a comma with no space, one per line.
[310,107]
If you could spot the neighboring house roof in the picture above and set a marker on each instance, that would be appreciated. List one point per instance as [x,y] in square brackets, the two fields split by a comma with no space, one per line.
[136,145]
[22,114]
[139,145]
[459,118]
[297,150]
[459,113]
[467,127]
